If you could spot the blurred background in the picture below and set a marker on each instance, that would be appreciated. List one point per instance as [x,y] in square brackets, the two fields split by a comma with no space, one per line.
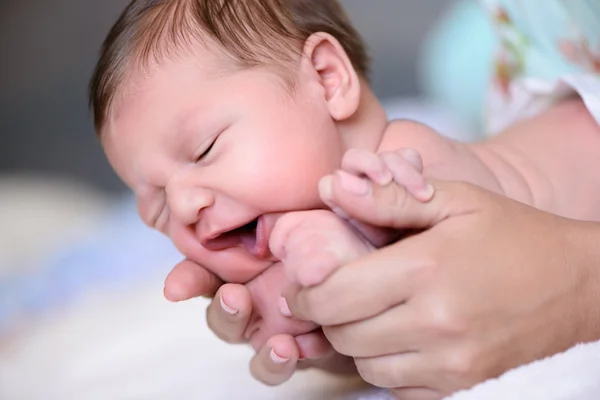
[81,308]
[49,49]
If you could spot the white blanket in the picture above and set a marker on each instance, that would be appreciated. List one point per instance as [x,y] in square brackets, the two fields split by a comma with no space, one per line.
[138,346]
[572,375]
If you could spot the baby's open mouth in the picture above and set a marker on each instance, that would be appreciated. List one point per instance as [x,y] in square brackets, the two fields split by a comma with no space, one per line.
[251,236]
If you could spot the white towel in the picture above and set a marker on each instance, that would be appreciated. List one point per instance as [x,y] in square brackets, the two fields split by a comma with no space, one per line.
[135,345]
[572,375]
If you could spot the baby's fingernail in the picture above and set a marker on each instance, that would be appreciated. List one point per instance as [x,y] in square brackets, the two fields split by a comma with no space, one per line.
[226,308]
[276,358]
[427,193]
[284,309]
[353,184]
[383,177]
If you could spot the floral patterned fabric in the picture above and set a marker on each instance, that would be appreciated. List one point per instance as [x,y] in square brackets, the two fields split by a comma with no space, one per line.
[549,49]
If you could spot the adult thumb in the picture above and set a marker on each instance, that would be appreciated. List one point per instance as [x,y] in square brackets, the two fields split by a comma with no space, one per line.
[392,206]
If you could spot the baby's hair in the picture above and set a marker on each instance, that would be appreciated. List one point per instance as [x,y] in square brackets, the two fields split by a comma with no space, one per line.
[250,32]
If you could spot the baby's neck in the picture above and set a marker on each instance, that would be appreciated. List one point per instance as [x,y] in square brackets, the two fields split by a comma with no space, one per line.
[366,128]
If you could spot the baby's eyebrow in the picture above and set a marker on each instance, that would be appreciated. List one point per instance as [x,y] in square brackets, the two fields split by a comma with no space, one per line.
[189,124]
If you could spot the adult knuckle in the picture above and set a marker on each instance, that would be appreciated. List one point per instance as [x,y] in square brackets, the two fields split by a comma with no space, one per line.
[314,304]
[382,372]
[226,335]
[445,321]
[464,366]
[371,373]
[340,340]
[265,374]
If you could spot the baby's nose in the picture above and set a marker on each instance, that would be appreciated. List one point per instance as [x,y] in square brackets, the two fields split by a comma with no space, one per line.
[187,202]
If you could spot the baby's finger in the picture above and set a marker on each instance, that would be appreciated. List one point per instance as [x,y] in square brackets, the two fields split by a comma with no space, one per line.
[276,362]
[402,164]
[229,313]
[188,280]
[361,162]
[413,157]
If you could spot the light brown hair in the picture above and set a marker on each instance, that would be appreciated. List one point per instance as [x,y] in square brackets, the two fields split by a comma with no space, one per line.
[250,32]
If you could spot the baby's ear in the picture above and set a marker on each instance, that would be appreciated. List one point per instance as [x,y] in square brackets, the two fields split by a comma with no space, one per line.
[336,73]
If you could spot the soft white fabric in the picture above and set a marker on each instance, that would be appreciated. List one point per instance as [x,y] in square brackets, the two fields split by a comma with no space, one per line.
[138,346]
[572,375]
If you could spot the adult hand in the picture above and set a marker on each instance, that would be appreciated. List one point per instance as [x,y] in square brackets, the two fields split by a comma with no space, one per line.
[188,280]
[228,316]
[491,285]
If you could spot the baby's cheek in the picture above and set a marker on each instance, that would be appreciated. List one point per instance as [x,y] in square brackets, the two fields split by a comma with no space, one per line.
[266,291]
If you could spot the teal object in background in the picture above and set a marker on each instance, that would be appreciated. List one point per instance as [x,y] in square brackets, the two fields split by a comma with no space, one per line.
[456,62]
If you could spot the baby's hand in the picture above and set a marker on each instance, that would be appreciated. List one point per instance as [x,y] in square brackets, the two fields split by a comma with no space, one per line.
[312,244]
[404,167]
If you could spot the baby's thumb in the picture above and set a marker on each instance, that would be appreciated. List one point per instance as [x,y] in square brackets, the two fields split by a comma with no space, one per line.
[391,206]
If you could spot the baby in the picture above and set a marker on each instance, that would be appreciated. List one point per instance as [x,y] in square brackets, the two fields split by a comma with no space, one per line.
[223,115]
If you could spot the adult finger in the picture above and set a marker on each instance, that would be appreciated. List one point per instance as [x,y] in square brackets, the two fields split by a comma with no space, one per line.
[313,345]
[392,206]
[372,337]
[188,280]
[404,370]
[417,394]
[276,361]
[392,271]
[229,313]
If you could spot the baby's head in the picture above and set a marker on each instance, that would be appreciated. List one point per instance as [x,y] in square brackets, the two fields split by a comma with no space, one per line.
[223,114]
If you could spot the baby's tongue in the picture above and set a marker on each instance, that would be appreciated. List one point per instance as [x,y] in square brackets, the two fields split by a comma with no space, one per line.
[248,240]
[256,241]
[222,242]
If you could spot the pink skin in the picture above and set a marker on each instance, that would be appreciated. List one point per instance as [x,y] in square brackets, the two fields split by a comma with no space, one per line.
[214,166]
[313,244]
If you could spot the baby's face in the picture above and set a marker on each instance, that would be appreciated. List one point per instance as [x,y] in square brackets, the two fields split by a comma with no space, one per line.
[214,159]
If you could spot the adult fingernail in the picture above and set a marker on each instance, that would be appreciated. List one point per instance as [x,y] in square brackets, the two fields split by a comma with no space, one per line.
[226,308]
[353,184]
[276,358]
[284,309]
